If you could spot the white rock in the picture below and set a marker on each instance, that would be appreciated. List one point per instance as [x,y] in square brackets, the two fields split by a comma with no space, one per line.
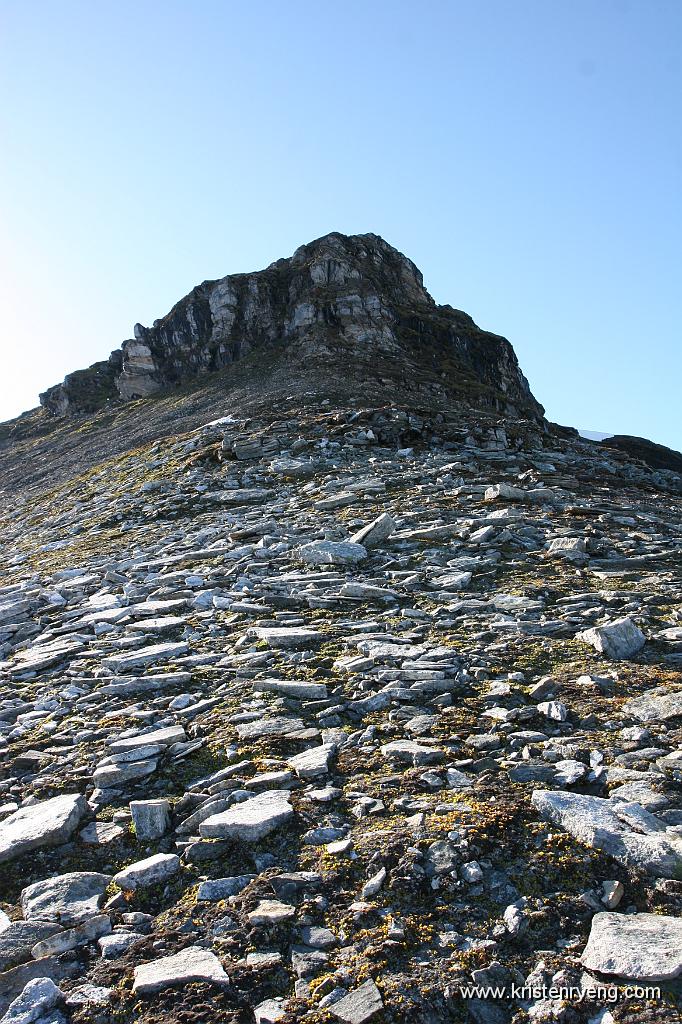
[372,887]
[603,825]
[251,820]
[644,947]
[375,532]
[149,871]
[619,639]
[327,552]
[553,709]
[271,912]
[310,764]
[38,997]
[191,964]
[286,637]
[571,549]
[48,823]
[144,656]
[68,898]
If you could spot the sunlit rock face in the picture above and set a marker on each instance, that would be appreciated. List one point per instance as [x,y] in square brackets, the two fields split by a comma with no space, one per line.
[349,303]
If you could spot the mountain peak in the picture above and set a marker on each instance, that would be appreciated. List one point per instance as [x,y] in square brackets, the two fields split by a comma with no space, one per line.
[345,312]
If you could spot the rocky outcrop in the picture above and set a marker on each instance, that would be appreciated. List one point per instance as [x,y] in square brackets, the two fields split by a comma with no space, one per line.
[655,455]
[341,306]
[87,390]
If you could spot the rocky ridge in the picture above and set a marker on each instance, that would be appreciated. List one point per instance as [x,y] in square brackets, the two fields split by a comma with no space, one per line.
[328,716]
[327,701]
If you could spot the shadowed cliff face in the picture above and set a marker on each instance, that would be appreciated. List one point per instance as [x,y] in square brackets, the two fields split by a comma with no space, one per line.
[351,308]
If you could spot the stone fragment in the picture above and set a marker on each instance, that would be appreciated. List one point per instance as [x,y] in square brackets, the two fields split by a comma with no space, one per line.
[327,552]
[47,823]
[68,898]
[375,532]
[151,818]
[612,894]
[99,833]
[191,964]
[271,912]
[372,887]
[157,737]
[251,820]
[600,824]
[619,639]
[19,938]
[658,705]
[311,763]
[113,946]
[269,1011]
[411,752]
[37,999]
[144,656]
[296,690]
[643,947]
[359,1006]
[158,868]
[571,549]
[269,727]
[286,637]
[216,889]
[80,935]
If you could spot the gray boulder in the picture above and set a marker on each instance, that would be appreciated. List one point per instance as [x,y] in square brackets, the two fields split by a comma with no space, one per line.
[619,639]
[644,947]
[47,823]
[68,898]
[608,826]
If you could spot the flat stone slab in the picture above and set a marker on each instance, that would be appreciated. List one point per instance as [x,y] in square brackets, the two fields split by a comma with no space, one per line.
[358,1006]
[48,823]
[108,776]
[271,912]
[299,691]
[68,898]
[645,947]
[607,825]
[251,820]
[619,639]
[269,727]
[191,964]
[328,552]
[144,656]
[367,592]
[161,737]
[309,764]
[17,941]
[286,637]
[45,655]
[656,705]
[411,752]
[158,868]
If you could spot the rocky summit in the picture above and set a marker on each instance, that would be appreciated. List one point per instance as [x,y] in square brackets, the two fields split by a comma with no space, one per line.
[336,684]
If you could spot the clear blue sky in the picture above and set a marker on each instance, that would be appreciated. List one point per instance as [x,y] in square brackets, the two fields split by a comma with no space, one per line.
[525,155]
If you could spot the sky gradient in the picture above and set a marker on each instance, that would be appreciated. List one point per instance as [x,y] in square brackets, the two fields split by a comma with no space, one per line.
[526,156]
